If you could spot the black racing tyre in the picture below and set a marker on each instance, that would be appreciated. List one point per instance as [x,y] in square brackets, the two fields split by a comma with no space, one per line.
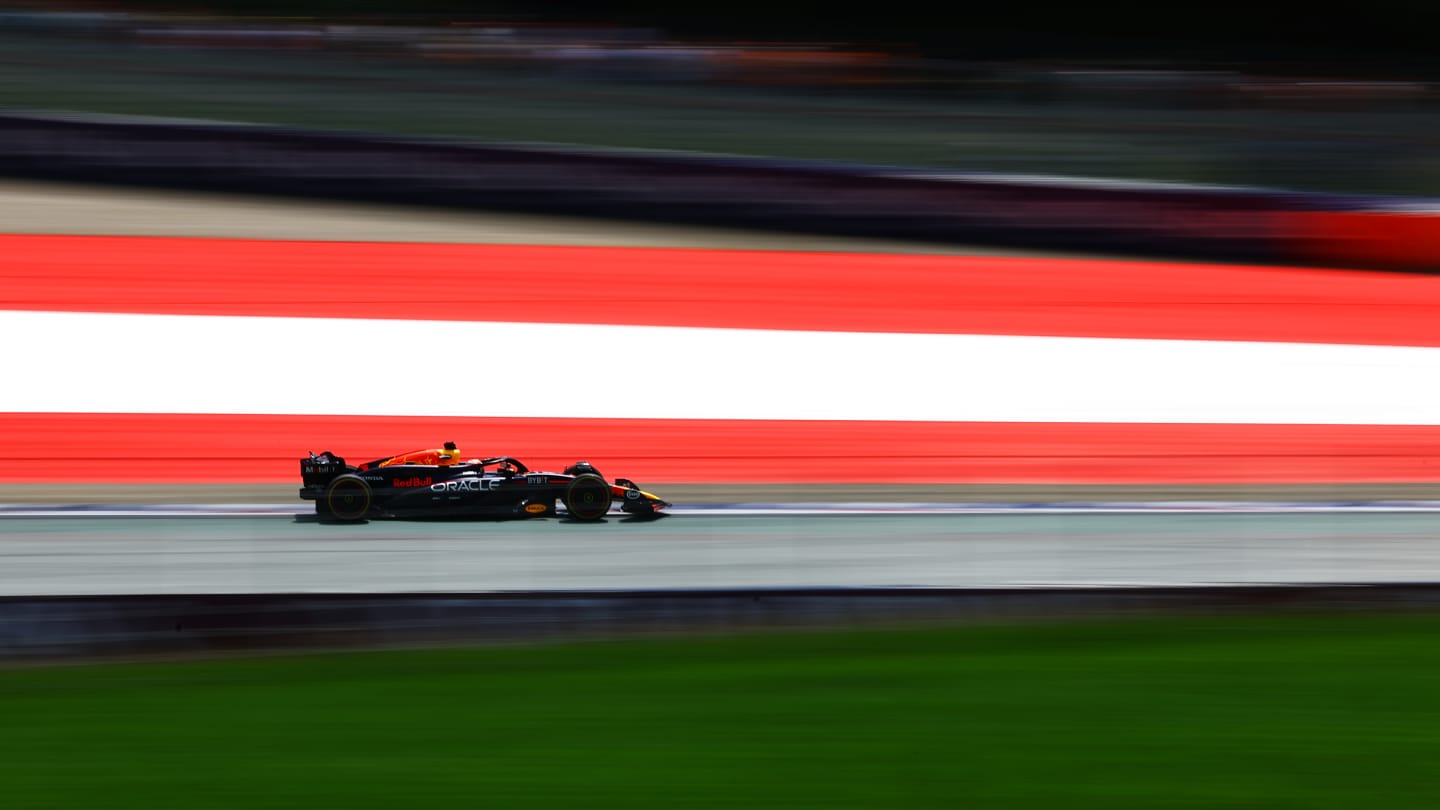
[587,497]
[347,498]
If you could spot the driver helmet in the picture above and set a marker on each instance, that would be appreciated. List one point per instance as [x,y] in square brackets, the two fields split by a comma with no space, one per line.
[447,455]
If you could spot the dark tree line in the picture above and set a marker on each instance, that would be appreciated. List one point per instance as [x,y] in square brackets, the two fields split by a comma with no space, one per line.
[1377,34]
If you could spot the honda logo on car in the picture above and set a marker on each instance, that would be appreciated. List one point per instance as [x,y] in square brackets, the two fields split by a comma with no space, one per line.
[466,485]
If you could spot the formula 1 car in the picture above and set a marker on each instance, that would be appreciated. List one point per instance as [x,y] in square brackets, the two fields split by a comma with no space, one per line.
[431,484]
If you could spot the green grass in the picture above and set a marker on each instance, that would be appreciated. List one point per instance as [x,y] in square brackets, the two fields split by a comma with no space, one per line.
[1239,712]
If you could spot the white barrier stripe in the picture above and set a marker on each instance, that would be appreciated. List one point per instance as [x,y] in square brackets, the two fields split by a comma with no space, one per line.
[123,363]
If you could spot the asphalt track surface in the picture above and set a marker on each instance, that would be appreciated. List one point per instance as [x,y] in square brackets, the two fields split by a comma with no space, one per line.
[293,554]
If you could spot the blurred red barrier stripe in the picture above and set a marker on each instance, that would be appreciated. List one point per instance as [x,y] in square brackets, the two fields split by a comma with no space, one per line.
[191,448]
[716,288]
[1398,239]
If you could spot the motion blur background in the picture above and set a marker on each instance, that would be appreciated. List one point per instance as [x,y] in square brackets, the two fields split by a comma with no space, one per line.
[1282,95]
[1159,174]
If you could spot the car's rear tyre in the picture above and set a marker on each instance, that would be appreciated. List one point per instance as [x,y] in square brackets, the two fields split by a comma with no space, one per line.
[348,497]
[587,498]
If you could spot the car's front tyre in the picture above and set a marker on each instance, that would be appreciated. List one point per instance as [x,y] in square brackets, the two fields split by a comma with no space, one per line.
[587,498]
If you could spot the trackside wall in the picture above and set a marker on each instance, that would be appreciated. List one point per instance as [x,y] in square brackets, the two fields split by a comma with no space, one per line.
[1231,224]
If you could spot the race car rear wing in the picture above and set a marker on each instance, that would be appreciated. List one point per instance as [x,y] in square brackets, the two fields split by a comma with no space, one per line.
[317,469]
